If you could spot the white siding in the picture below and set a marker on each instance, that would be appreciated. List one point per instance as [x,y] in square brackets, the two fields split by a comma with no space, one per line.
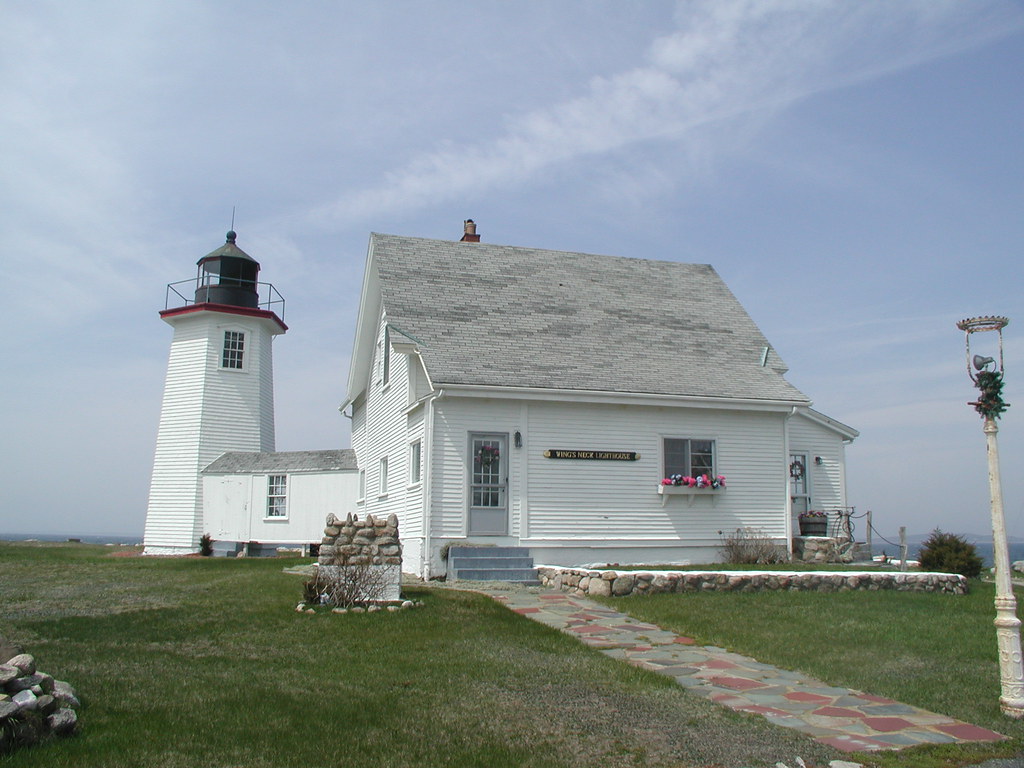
[454,419]
[827,480]
[206,411]
[619,500]
[580,503]
[381,427]
[236,506]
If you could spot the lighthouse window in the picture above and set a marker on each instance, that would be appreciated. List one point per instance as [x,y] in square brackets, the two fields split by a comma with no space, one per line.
[277,496]
[234,349]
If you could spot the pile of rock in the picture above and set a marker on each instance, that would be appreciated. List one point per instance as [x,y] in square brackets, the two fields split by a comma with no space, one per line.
[372,541]
[404,605]
[32,704]
[607,583]
[361,560]
[824,549]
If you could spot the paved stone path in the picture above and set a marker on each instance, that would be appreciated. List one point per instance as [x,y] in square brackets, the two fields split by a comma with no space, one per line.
[848,720]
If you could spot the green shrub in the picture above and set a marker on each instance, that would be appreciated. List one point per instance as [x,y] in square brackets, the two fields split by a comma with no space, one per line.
[205,545]
[950,553]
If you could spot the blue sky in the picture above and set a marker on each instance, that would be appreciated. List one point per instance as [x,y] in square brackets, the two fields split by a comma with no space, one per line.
[852,170]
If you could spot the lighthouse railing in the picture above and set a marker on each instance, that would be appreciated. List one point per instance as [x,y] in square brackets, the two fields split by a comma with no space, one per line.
[270,298]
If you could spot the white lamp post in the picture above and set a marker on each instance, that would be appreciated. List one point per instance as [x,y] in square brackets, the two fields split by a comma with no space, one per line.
[987,375]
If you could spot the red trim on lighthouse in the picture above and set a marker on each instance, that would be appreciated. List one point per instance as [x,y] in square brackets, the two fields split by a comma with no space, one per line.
[227,309]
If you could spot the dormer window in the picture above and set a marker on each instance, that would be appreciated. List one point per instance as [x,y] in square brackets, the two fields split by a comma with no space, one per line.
[234,350]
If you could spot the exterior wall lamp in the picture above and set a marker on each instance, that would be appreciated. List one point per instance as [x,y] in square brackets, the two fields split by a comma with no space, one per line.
[987,375]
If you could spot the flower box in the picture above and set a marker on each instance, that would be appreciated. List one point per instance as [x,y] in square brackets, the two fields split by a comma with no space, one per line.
[689,492]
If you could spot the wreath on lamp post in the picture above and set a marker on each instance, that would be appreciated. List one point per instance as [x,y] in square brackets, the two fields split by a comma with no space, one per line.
[796,469]
[990,402]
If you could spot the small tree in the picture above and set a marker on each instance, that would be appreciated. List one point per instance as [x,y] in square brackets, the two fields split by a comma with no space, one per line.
[205,545]
[950,553]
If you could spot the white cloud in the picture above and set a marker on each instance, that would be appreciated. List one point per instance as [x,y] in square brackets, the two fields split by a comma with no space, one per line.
[726,59]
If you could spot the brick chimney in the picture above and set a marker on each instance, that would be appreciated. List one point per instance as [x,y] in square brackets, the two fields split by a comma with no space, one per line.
[469,235]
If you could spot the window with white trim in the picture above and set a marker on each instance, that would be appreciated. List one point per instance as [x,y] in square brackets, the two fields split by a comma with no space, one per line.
[277,496]
[386,372]
[382,477]
[233,355]
[362,485]
[688,457]
[415,462]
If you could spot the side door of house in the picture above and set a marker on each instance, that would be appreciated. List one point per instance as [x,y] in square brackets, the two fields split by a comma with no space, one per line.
[488,484]
[799,489]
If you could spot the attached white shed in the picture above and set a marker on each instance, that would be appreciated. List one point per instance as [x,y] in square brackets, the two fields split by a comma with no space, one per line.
[258,502]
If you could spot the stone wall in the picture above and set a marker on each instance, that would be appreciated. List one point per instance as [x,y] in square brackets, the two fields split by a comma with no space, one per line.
[606,583]
[364,556]
[33,705]
[823,549]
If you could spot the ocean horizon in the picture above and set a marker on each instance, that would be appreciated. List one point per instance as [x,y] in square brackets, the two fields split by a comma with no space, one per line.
[88,538]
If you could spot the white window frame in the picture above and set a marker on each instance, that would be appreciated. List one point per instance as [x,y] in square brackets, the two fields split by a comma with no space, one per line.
[277,497]
[241,352]
[415,462]
[382,477]
[713,472]
[362,487]
[385,374]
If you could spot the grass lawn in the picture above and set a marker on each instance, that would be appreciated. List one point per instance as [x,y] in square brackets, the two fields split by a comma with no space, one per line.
[204,662]
[930,650]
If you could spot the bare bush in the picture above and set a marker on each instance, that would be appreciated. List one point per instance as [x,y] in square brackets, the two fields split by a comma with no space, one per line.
[348,585]
[750,545]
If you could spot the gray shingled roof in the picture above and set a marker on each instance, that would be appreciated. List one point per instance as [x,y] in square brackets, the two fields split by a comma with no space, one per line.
[523,317]
[235,462]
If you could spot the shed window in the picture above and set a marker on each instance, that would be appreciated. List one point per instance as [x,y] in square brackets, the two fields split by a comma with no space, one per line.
[689,457]
[234,350]
[277,496]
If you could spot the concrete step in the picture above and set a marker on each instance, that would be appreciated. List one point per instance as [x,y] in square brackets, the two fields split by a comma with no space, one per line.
[512,564]
[489,562]
[456,551]
[516,575]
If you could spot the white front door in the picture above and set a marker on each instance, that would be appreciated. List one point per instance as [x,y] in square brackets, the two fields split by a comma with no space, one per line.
[488,484]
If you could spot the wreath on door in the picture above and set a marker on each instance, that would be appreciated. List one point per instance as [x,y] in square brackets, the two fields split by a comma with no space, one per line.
[796,469]
[487,455]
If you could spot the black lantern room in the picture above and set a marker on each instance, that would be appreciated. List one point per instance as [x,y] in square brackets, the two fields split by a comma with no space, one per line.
[228,276]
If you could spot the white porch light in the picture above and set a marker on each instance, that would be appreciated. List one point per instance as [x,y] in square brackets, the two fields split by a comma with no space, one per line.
[987,375]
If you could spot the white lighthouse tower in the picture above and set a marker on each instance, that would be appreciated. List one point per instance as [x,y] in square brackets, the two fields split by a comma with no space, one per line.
[219,391]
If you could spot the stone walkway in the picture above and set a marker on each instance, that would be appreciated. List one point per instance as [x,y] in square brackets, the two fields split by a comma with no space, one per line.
[848,720]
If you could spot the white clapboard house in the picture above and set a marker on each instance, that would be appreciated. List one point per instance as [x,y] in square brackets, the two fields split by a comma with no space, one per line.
[523,397]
